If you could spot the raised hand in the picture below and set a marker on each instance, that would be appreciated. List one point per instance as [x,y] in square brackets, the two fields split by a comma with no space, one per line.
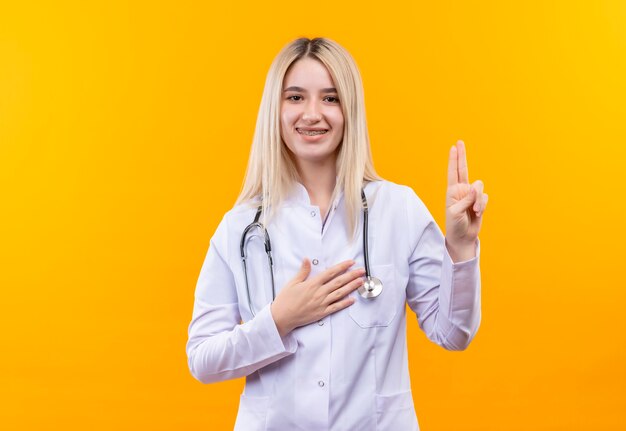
[465,205]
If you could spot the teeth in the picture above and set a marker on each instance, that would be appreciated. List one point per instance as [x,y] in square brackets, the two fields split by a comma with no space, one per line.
[311,132]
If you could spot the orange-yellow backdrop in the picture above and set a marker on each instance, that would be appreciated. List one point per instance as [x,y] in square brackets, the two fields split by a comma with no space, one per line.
[124,134]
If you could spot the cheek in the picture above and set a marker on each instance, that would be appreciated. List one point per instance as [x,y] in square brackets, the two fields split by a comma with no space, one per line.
[287,118]
[337,120]
[283,120]
[286,124]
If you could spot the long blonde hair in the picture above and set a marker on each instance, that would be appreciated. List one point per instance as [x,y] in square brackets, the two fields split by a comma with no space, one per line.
[271,172]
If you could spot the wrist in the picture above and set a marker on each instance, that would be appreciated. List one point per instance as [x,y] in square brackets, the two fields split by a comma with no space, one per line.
[461,251]
[281,325]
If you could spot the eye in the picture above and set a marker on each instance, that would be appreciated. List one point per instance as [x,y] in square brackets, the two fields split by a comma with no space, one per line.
[331,99]
[294,98]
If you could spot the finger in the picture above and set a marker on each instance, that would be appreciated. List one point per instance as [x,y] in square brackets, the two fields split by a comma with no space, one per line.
[463,174]
[453,174]
[304,271]
[332,272]
[344,290]
[342,280]
[479,187]
[466,203]
[339,305]
[484,205]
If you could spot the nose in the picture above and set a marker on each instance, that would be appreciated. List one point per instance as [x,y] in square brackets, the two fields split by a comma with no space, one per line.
[312,113]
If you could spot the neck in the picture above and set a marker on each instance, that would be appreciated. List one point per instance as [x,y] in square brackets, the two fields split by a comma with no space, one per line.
[319,180]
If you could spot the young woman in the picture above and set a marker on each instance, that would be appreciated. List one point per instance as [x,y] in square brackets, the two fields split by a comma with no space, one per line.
[304,285]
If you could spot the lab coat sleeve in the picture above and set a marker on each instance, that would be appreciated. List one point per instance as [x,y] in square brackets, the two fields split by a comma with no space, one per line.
[219,347]
[445,296]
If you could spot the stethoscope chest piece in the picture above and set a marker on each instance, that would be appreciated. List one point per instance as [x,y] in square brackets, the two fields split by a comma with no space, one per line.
[371,288]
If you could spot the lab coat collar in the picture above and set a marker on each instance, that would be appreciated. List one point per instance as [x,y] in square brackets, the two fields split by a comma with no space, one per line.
[300,195]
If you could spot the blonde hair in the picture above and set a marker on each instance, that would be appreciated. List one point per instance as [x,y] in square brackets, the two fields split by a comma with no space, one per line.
[271,172]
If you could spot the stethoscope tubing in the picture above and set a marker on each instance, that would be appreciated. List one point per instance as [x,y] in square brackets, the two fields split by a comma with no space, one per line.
[371,288]
[365,231]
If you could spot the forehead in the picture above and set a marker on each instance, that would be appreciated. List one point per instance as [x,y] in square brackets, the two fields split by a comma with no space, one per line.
[308,73]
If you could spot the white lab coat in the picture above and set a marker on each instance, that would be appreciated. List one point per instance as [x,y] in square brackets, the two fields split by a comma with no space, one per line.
[349,371]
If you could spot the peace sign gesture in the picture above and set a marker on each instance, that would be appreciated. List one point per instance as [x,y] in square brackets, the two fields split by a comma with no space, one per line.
[465,205]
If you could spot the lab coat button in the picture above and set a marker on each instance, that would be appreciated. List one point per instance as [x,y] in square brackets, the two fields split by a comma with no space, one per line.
[315,261]
[321,323]
[312,213]
[321,383]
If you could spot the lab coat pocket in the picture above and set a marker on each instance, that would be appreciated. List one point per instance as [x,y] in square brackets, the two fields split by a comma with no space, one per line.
[396,412]
[380,310]
[252,413]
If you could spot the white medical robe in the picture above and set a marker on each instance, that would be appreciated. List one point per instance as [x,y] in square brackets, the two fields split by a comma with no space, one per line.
[349,371]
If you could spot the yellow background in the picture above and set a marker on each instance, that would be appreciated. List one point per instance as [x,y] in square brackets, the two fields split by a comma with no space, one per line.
[124,134]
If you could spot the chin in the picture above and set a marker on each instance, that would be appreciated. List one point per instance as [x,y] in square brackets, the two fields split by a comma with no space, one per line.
[314,158]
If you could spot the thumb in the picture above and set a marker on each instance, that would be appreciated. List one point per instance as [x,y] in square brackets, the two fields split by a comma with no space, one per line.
[305,270]
[467,201]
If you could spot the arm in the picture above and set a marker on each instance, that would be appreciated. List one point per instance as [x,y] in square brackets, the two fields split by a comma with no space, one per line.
[219,347]
[444,295]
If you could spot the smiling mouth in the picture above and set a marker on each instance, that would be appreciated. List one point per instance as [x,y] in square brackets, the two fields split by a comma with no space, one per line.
[311,132]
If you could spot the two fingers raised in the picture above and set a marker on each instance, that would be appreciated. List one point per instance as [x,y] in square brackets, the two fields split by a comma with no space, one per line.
[457,165]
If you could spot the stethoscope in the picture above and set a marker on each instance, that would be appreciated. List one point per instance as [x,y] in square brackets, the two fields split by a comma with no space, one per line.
[371,288]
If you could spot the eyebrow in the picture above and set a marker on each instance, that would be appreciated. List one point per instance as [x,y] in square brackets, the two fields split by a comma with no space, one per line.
[302,90]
